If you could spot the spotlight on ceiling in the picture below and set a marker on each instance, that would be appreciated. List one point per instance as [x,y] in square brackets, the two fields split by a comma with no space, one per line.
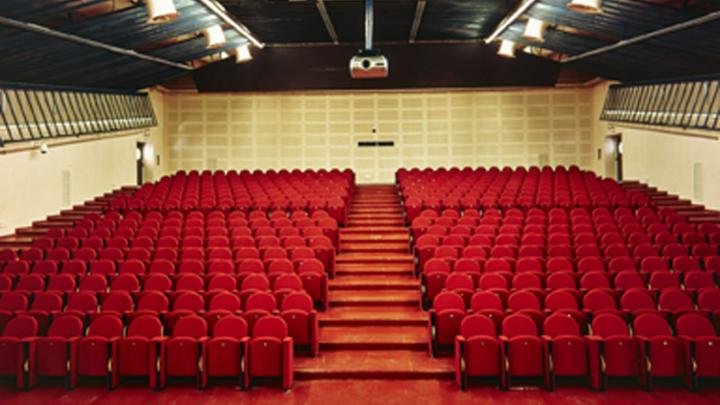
[214,36]
[507,49]
[534,30]
[161,11]
[586,6]
[242,54]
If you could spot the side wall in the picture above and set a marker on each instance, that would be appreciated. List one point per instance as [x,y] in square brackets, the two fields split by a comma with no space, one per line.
[36,185]
[316,130]
[683,162]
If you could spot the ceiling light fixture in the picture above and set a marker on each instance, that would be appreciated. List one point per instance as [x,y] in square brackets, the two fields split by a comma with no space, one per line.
[586,6]
[505,23]
[215,36]
[242,53]
[161,11]
[534,30]
[507,49]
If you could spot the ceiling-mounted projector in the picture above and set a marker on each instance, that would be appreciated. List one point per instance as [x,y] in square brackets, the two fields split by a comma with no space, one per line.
[369,63]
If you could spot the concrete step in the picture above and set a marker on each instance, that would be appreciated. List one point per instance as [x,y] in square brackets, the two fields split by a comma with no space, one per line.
[374,365]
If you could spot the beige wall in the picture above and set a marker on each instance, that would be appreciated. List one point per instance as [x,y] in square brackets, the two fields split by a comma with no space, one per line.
[314,130]
[36,185]
[684,162]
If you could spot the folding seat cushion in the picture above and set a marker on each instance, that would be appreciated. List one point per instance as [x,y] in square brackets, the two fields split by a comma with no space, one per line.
[590,264]
[257,306]
[191,266]
[181,353]
[653,264]
[132,266]
[522,348]
[528,281]
[444,322]
[561,280]
[599,300]
[526,302]
[81,304]
[696,280]
[224,353]
[18,339]
[161,266]
[315,280]
[57,254]
[627,279]
[560,251]
[623,263]
[151,302]
[612,351]
[74,267]
[102,267]
[675,301]
[163,253]
[661,351]
[559,264]
[594,280]
[701,347]
[663,280]
[475,252]
[477,350]
[302,321]
[498,265]
[188,282]
[137,352]
[96,353]
[186,303]
[638,301]
[565,348]
[488,304]
[270,352]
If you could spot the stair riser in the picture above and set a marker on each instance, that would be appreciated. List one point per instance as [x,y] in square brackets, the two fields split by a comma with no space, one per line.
[416,346]
[376,230]
[351,249]
[374,287]
[374,273]
[366,304]
[372,322]
[373,375]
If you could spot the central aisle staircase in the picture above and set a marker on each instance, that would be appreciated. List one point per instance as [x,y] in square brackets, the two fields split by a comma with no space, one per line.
[374,327]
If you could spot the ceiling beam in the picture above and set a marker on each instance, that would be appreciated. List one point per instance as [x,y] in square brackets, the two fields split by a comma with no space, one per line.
[39,29]
[419,12]
[644,37]
[320,4]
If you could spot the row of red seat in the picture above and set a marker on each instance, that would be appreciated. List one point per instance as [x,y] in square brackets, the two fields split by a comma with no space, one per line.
[110,350]
[472,189]
[645,349]
[245,191]
[311,271]
[433,282]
